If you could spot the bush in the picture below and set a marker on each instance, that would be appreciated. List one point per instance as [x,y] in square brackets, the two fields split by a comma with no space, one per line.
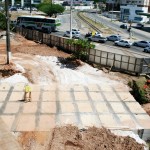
[139,92]
[2,21]
[81,48]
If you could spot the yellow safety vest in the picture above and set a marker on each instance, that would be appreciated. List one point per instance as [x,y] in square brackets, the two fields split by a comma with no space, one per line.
[93,33]
[27,88]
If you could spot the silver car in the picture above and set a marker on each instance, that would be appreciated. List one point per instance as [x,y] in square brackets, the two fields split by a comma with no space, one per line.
[142,43]
[123,43]
[114,38]
[75,34]
[147,49]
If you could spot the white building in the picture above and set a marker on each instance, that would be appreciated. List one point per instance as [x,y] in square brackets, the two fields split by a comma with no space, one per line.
[130,9]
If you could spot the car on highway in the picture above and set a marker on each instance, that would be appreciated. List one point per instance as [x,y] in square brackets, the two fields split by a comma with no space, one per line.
[123,26]
[76,30]
[97,38]
[12,9]
[123,43]
[114,38]
[142,43]
[75,34]
[147,49]
[139,25]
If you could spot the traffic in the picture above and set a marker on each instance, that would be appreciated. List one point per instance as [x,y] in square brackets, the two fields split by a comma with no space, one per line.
[50,25]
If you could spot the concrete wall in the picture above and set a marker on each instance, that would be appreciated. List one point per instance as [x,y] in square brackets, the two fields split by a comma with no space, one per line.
[116,60]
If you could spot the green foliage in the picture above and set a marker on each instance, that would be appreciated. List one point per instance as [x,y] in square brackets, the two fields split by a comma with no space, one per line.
[51,9]
[139,92]
[47,1]
[81,46]
[2,21]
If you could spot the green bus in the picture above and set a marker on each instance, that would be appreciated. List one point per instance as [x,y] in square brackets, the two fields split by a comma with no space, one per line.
[40,23]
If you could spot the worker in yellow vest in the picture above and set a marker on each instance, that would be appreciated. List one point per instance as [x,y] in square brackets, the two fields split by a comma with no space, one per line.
[27,95]
[93,33]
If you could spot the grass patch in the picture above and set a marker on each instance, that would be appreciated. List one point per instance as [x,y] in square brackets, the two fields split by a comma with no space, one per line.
[100,26]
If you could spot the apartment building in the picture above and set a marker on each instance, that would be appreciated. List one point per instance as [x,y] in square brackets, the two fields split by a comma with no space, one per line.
[130,9]
[112,5]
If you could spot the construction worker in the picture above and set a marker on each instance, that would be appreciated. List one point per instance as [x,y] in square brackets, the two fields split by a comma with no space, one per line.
[27,95]
[93,33]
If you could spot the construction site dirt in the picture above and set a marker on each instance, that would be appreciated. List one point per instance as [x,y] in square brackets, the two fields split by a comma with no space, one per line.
[65,137]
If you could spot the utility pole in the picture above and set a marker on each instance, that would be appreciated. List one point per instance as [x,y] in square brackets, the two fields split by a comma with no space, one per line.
[7,33]
[71,19]
[30,7]
[112,11]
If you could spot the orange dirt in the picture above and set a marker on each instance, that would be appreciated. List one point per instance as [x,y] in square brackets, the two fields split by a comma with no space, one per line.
[63,138]
[71,138]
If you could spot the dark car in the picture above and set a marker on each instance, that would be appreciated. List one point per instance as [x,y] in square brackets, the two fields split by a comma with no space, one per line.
[123,26]
[139,25]
[13,9]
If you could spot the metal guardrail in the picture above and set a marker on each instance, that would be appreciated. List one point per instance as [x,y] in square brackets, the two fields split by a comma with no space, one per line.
[117,62]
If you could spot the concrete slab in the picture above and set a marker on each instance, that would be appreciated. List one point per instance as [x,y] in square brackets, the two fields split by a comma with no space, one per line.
[80,96]
[3,96]
[7,140]
[82,105]
[49,96]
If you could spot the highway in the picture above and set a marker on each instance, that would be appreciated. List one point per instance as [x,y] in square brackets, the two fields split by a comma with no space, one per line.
[138,34]
[108,46]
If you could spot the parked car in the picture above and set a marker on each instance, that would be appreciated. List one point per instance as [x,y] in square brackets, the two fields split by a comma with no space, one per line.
[13,9]
[98,34]
[123,26]
[88,35]
[123,43]
[13,22]
[142,43]
[76,30]
[75,34]
[147,49]
[97,38]
[114,38]
[139,25]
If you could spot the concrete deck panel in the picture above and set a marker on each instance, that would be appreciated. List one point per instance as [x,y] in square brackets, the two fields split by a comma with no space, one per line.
[7,140]
[81,105]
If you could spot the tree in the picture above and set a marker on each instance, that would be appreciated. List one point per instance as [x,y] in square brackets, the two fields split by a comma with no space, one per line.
[2,21]
[82,47]
[51,9]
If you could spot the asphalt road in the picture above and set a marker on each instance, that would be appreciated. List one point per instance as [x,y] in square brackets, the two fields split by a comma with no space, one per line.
[66,26]
[138,34]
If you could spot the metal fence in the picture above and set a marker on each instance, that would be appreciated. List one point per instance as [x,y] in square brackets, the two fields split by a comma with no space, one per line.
[115,61]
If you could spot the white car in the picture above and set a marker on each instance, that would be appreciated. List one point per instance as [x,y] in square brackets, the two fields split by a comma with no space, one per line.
[75,34]
[97,38]
[114,38]
[142,43]
[76,30]
[123,43]
[147,49]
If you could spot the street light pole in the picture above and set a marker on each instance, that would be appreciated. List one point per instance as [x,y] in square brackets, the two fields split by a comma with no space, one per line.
[112,10]
[7,33]
[30,7]
[71,19]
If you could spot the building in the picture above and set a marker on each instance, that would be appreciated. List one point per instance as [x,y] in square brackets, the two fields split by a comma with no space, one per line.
[130,9]
[24,2]
[112,5]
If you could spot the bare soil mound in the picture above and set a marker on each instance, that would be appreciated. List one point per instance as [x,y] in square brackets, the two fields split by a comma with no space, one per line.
[71,138]
[8,70]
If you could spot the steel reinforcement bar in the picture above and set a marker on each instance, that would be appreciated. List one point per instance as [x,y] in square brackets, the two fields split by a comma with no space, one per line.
[87,22]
